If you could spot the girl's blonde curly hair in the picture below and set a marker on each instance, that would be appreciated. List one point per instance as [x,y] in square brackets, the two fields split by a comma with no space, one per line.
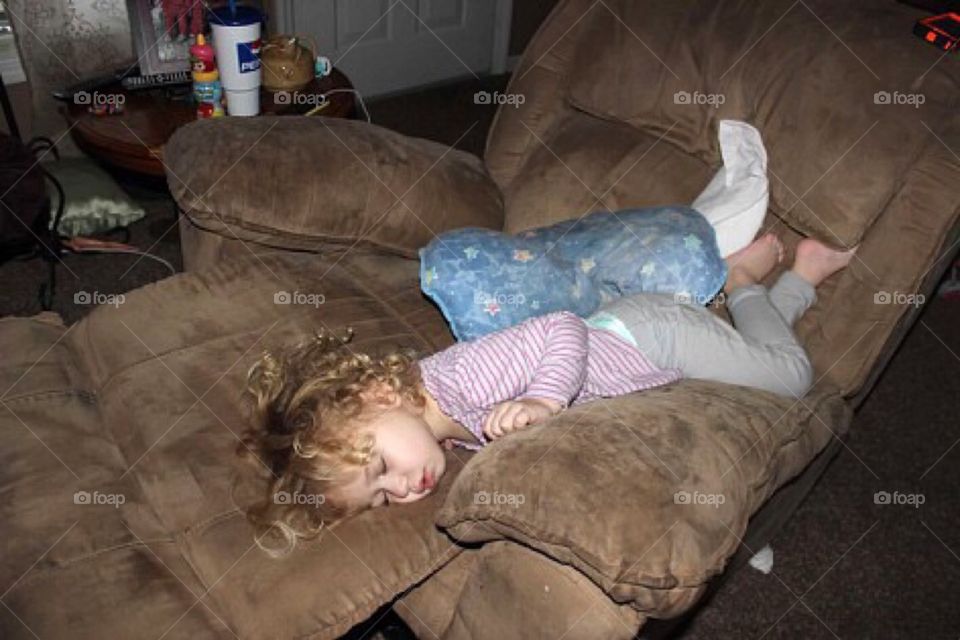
[308,414]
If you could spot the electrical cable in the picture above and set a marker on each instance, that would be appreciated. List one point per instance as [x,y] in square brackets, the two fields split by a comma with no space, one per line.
[363,106]
[130,251]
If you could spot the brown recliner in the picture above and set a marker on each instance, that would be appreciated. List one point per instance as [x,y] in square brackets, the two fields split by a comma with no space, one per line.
[119,432]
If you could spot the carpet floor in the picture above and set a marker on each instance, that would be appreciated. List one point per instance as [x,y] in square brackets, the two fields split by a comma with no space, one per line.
[844,566]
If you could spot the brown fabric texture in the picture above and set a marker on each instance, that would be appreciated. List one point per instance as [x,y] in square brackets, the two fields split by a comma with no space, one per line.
[70,566]
[428,608]
[859,309]
[592,164]
[682,468]
[201,248]
[143,400]
[540,77]
[485,593]
[627,61]
[600,127]
[306,182]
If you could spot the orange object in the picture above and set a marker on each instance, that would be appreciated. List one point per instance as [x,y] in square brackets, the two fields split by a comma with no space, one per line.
[79,244]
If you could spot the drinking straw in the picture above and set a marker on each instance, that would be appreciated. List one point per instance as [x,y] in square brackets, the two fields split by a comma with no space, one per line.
[233,8]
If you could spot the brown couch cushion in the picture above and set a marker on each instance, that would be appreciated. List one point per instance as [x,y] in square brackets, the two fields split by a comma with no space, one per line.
[143,400]
[588,164]
[302,182]
[485,593]
[801,73]
[603,486]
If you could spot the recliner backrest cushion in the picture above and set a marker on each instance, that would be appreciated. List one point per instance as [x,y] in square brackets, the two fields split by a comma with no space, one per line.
[860,119]
[836,89]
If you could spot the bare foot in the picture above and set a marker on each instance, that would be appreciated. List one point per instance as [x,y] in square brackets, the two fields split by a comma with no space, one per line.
[815,261]
[750,264]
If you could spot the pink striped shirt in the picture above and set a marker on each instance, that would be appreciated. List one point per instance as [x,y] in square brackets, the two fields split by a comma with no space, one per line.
[556,356]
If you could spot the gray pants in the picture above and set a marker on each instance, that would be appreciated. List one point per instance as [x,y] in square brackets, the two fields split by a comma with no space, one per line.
[761,351]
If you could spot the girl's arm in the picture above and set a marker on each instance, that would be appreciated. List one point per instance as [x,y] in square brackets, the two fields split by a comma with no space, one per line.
[556,346]
[562,367]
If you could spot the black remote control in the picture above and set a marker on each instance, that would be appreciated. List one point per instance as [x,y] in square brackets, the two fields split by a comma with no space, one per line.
[92,84]
[135,83]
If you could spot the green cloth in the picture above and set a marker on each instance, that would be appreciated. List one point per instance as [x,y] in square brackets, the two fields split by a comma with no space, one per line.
[94,201]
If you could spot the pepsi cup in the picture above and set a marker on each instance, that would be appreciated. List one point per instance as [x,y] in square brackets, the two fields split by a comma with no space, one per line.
[236,41]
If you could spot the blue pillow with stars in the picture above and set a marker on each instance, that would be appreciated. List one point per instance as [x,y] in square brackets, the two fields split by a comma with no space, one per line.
[484,281]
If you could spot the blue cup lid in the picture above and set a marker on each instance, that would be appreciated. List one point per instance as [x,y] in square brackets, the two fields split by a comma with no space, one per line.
[243,17]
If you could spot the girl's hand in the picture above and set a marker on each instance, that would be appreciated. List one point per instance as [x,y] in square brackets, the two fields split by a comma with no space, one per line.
[513,415]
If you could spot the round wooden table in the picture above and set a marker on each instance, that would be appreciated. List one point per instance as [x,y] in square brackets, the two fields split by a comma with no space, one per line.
[134,139]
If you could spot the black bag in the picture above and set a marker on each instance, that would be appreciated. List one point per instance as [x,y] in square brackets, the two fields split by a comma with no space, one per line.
[25,207]
[24,204]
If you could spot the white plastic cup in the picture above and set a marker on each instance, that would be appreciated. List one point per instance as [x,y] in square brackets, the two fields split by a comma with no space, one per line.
[236,42]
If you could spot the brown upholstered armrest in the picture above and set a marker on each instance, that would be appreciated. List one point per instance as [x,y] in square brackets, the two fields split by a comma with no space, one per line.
[303,182]
[649,494]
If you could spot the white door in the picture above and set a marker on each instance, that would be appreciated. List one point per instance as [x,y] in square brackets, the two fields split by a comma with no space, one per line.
[386,46]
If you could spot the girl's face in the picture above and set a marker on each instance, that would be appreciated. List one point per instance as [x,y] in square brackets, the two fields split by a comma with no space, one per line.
[406,465]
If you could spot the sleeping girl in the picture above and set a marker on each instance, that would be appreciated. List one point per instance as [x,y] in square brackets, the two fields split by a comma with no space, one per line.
[366,432]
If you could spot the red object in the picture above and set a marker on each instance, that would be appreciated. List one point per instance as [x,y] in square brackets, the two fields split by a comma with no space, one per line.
[942,31]
[202,56]
[205,110]
[106,109]
[80,244]
[186,15]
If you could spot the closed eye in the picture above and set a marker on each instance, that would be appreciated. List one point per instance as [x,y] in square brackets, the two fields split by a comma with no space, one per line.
[380,497]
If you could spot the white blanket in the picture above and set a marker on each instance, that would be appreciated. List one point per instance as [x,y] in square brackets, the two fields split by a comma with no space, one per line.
[735,201]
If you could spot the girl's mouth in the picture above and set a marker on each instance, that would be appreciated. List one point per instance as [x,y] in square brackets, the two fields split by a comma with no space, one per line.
[428,481]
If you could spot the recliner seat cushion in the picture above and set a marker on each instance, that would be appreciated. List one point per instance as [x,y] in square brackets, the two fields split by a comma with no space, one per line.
[143,400]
